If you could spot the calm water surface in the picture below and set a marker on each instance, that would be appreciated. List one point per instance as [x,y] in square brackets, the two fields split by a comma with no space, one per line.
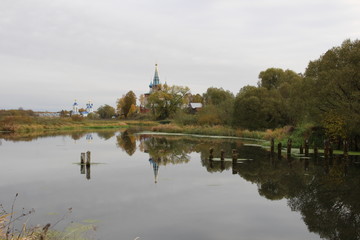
[156,187]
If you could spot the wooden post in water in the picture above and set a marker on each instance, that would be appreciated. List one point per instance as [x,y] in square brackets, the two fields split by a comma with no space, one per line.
[289,143]
[279,150]
[234,156]
[222,153]
[306,147]
[346,149]
[272,147]
[82,158]
[211,154]
[326,148]
[301,149]
[82,163]
[88,157]
[234,161]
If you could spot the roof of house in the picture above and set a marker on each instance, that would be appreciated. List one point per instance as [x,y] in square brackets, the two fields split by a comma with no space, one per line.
[196,105]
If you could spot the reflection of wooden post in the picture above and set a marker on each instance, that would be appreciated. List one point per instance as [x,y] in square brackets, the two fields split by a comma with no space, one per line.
[279,150]
[88,157]
[272,147]
[306,148]
[316,152]
[331,152]
[326,156]
[306,164]
[222,155]
[88,171]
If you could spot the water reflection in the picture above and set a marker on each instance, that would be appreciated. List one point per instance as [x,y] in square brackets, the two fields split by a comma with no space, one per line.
[89,137]
[324,190]
[155,167]
[106,134]
[127,142]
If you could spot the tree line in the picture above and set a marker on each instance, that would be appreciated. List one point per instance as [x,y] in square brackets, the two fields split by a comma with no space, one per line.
[326,95]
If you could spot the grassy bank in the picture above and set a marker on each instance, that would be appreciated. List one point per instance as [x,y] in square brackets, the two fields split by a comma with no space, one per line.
[21,124]
[212,130]
[297,135]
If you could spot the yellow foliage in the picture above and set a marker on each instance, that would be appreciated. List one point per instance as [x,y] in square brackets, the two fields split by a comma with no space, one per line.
[132,110]
[335,125]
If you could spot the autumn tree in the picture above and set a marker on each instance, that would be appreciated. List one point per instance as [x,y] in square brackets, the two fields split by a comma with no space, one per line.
[127,104]
[166,102]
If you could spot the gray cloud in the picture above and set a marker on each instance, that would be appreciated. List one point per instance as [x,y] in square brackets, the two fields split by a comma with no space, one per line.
[52,52]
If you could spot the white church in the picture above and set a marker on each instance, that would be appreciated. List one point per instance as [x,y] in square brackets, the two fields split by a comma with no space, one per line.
[89,109]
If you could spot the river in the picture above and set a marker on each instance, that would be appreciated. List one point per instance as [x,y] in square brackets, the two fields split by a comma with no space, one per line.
[155,187]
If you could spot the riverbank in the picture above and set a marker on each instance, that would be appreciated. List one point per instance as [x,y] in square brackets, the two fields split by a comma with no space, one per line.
[33,125]
[20,125]
[280,134]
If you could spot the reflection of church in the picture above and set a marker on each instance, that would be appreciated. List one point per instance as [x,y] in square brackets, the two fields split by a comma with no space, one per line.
[155,167]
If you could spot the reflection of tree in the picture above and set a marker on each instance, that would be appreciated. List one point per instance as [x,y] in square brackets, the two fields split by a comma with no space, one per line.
[77,135]
[330,204]
[167,150]
[327,198]
[127,142]
[106,134]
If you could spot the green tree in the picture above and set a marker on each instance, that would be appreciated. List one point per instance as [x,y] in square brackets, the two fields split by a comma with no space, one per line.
[197,98]
[336,82]
[166,102]
[215,96]
[125,103]
[259,108]
[106,111]
[273,78]
[218,107]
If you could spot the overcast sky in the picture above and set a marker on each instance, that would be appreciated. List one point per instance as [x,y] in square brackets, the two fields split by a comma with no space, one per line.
[55,51]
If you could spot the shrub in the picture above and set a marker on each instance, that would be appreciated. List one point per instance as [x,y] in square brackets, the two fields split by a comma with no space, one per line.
[77,118]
